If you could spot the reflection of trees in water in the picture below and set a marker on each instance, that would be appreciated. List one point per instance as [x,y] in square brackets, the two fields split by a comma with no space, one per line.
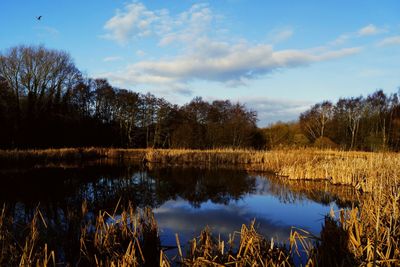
[198,186]
[61,191]
[103,185]
[292,191]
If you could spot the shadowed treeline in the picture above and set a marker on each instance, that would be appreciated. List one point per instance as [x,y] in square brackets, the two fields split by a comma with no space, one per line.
[46,102]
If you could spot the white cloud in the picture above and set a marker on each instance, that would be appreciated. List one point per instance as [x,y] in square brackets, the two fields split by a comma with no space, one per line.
[393,40]
[130,78]
[188,25]
[369,30]
[271,110]
[201,55]
[134,21]
[112,58]
[230,64]
[137,21]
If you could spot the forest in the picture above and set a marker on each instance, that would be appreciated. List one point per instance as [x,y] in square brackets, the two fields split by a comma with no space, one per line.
[46,101]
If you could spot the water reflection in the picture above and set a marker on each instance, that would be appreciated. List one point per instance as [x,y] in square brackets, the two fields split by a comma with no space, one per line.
[178,216]
[184,200]
[103,185]
[293,191]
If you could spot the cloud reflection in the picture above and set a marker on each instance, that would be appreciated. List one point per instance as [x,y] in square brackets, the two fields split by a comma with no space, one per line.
[179,217]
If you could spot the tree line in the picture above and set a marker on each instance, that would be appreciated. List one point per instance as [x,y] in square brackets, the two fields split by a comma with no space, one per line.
[45,101]
[357,123]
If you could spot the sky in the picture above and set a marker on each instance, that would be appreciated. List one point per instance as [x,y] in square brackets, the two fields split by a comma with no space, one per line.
[276,57]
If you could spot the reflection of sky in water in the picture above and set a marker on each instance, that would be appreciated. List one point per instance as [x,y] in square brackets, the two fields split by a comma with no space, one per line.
[184,200]
[274,218]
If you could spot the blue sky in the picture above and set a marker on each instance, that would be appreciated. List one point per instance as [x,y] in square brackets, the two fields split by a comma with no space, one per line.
[278,57]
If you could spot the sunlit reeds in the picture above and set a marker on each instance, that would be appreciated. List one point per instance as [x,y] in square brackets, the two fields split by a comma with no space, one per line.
[365,236]
[252,250]
[129,238]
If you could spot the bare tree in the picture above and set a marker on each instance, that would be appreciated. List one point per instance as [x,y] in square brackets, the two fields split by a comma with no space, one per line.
[315,120]
[127,109]
[351,111]
[38,74]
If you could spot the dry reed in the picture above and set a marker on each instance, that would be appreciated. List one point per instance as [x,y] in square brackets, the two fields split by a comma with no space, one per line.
[253,250]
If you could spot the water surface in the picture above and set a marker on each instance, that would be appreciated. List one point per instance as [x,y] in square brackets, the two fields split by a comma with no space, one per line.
[184,200]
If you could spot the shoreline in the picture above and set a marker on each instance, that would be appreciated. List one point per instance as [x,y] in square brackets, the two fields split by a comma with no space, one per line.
[362,170]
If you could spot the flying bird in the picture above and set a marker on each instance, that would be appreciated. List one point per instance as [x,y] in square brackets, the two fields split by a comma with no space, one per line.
[38,18]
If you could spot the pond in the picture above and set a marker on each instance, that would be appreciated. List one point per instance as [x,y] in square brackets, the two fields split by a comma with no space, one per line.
[184,200]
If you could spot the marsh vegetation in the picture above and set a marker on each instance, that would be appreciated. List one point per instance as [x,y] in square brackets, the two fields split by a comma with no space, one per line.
[359,188]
